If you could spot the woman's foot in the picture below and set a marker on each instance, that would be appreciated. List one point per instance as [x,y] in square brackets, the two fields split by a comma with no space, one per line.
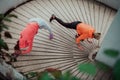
[52,17]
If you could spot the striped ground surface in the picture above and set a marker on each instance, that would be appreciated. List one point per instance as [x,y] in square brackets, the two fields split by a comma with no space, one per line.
[61,52]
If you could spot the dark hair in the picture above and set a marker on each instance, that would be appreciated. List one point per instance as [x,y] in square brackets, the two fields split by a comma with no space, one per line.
[16,47]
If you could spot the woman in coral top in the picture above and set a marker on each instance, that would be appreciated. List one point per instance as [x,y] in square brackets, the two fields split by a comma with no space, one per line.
[84,31]
[27,36]
[28,33]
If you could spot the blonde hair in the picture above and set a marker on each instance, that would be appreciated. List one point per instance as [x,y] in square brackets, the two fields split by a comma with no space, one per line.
[97,36]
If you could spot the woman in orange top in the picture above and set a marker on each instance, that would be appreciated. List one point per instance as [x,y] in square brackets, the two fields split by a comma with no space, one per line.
[84,31]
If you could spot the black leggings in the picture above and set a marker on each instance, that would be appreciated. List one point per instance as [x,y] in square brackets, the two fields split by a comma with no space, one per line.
[71,25]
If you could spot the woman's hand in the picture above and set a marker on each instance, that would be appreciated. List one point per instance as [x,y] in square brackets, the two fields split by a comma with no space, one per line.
[89,41]
[80,47]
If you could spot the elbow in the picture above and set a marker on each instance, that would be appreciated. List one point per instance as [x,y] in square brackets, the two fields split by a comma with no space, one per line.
[26,52]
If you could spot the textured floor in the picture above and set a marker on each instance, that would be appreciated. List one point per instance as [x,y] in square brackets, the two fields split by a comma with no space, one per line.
[61,52]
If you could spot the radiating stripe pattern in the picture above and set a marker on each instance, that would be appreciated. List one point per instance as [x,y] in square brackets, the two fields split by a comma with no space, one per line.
[60,52]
